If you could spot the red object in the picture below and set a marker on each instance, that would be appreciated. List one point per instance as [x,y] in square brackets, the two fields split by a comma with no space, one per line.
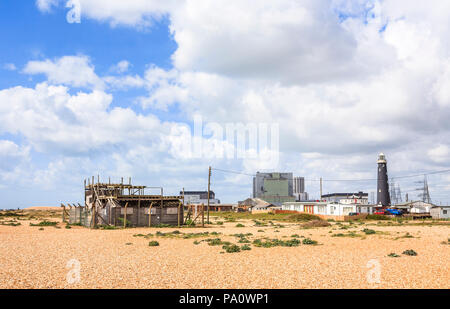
[379,212]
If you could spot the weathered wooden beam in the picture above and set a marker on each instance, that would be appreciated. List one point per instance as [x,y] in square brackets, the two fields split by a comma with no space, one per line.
[63,213]
[138,211]
[179,214]
[125,216]
[150,215]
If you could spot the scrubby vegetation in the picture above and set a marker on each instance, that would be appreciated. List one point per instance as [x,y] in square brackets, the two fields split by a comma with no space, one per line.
[216,242]
[369,231]
[393,255]
[259,223]
[10,223]
[11,214]
[410,252]
[44,223]
[378,217]
[349,234]
[231,248]
[178,234]
[315,223]
[407,235]
[276,243]
[308,241]
[233,216]
[107,227]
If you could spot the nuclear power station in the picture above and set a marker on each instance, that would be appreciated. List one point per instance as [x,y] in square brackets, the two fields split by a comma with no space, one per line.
[383,198]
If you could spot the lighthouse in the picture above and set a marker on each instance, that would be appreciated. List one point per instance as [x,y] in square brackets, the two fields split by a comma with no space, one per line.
[383,198]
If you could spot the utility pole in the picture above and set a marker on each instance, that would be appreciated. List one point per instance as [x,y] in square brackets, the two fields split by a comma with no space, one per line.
[320,188]
[209,192]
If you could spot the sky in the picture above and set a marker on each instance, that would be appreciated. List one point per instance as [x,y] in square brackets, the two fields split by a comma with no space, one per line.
[115,88]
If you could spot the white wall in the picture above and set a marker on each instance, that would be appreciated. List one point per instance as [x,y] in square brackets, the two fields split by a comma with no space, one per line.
[438,213]
[323,209]
[292,207]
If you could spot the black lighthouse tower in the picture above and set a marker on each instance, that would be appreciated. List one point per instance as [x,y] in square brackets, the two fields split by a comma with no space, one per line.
[383,198]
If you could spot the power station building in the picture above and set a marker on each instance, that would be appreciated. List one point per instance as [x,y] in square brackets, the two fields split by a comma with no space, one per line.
[299,189]
[383,197]
[274,188]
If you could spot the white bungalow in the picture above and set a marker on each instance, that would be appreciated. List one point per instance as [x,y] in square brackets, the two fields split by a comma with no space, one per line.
[440,212]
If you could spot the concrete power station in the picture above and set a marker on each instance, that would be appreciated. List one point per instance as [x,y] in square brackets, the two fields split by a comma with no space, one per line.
[383,197]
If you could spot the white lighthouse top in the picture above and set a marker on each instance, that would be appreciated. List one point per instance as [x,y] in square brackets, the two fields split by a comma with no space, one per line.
[381,158]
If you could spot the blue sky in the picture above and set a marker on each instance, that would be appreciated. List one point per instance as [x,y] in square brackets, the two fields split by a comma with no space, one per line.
[344,80]
[29,34]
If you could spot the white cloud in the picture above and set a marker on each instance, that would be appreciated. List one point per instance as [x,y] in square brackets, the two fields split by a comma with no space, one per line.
[287,41]
[121,67]
[11,154]
[75,71]
[135,13]
[9,66]
[46,5]
[345,80]
[14,160]
[124,82]
[53,121]
[440,153]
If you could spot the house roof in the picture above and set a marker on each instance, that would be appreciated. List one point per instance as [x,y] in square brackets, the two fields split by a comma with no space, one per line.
[359,194]
[256,202]
[414,204]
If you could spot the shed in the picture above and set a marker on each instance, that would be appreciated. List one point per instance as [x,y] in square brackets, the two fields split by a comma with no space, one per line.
[126,205]
[440,212]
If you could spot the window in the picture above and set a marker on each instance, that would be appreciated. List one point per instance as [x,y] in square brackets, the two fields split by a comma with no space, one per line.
[322,209]
[347,210]
[444,212]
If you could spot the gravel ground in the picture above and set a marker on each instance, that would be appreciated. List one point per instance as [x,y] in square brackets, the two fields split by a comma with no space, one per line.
[34,258]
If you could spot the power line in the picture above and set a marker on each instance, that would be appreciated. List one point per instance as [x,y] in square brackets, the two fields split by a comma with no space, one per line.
[232,172]
[343,180]
[422,174]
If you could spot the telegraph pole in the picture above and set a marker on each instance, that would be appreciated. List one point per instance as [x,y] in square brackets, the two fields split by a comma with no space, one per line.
[209,191]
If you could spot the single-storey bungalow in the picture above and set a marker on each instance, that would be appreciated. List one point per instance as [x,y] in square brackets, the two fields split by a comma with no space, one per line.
[328,209]
[440,212]
[415,207]
[257,205]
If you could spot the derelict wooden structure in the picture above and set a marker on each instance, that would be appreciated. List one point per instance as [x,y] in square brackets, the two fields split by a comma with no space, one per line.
[127,205]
